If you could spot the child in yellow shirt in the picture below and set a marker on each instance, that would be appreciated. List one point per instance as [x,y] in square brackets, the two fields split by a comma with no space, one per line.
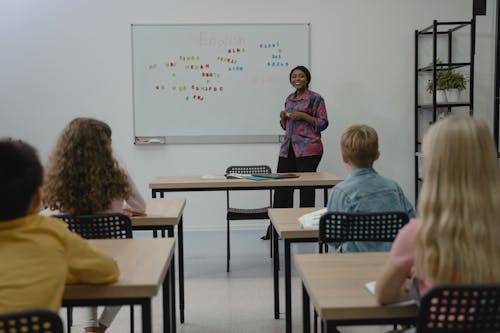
[38,255]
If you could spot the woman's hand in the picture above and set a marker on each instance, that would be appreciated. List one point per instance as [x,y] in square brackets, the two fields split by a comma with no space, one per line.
[295,116]
[283,115]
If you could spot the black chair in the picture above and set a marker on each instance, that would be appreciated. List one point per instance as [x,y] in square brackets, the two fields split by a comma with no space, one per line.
[244,213]
[460,308]
[338,227]
[32,321]
[99,226]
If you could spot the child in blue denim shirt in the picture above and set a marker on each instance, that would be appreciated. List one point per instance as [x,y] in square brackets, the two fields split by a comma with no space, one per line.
[364,190]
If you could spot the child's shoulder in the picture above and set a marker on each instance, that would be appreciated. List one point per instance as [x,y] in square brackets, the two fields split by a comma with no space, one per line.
[47,222]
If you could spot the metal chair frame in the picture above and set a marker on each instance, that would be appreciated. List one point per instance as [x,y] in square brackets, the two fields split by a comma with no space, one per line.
[339,227]
[99,226]
[245,213]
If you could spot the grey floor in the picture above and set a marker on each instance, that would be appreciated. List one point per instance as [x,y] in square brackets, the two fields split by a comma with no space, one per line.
[240,301]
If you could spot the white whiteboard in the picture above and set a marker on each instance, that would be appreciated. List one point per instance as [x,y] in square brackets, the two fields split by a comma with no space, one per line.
[210,83]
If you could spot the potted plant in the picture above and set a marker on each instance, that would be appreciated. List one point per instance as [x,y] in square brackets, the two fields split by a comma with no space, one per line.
[441,86]
[455,84]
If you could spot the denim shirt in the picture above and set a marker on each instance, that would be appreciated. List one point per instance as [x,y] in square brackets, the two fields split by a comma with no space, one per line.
[365,191]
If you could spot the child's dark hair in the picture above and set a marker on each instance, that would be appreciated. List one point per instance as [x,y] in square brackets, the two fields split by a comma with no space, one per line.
[304,70]
[21,174]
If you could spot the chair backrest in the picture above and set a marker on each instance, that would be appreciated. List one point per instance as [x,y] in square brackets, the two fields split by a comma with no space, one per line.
[33,321]
[248,169]
[99,226]
[472,308]
[338,227]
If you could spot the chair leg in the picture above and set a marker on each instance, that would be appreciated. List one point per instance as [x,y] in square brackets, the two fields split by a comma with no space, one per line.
[315,321]
[69,318]
[228,256]
[132,319]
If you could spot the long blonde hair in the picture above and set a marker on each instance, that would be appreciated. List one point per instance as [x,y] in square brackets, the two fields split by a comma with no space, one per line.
[458,239]
[82,176]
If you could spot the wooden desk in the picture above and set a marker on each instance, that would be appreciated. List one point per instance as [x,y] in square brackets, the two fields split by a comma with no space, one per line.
[145,265]
[286,226]
[334,282]
[312,180]
[165,214]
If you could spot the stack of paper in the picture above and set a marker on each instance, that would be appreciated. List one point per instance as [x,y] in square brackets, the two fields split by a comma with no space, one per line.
[311,220]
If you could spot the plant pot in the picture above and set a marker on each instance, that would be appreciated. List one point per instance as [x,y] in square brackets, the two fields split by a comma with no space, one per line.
[452,95]
[441,96]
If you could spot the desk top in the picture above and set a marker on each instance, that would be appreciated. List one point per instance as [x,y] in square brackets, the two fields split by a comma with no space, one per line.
[198,182]
[335,283]
[286,222]
[164,211]
[143,264]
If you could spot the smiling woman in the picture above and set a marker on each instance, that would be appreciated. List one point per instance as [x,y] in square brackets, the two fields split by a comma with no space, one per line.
[302,120]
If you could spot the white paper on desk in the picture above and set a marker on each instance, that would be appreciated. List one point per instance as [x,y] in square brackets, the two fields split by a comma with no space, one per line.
[236,176]
[370,286]
[311,220]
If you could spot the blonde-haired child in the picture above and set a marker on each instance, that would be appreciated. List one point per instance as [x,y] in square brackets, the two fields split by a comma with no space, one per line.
[455,240]
[364,190]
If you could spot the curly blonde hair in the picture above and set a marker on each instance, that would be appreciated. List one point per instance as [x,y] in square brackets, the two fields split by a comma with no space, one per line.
[457,241]
[82,176]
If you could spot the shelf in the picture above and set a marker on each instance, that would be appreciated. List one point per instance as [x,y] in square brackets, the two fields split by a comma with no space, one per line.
[453,65]
[439,36]
[443,105]
[456,25]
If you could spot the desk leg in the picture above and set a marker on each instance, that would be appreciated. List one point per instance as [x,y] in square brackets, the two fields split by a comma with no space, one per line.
[306,311]
[180,236]
[325,196]
[146,316]
[288,288]
[172,290]
[166,301]
[329,326]
[276,265]
[171,235]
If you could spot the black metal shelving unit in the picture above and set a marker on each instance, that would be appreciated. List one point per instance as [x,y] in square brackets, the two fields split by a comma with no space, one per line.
[496,102]
[439,32]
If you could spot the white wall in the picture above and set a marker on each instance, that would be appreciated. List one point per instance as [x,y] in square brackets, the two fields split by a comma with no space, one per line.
[61,59]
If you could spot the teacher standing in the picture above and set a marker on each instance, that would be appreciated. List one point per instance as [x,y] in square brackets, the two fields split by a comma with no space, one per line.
[303,120]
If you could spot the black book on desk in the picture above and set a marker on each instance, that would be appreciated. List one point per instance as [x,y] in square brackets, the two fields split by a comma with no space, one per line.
[276,175]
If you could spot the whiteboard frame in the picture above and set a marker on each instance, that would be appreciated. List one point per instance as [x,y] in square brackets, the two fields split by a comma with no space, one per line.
[209,139]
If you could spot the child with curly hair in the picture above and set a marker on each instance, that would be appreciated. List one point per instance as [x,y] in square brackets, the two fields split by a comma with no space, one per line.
[83,177]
